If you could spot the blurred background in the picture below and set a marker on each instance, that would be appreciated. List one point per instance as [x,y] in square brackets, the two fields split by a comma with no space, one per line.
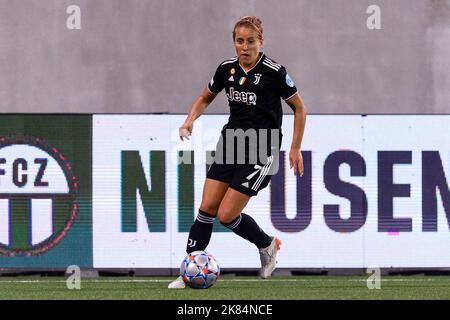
[153,56]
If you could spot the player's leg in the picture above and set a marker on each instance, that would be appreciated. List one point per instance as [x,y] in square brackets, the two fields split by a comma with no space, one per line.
[245,226]
[248,181]
[201,229]
[230,215]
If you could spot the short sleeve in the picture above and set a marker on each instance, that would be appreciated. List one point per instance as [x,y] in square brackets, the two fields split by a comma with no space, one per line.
[215,85]
[286,85]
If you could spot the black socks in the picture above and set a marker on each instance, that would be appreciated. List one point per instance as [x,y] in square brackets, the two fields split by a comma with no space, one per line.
[247,228]
[244,226]
[200,232]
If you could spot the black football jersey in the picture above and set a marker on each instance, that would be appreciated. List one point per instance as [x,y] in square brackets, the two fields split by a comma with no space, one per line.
[254,96]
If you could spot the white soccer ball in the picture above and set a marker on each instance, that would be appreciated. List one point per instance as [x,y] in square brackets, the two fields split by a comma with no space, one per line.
[199,270]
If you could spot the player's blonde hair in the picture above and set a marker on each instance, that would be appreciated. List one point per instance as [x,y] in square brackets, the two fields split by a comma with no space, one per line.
[252,22]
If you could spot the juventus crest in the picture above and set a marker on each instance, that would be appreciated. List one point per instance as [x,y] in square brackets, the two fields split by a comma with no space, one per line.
[257,78]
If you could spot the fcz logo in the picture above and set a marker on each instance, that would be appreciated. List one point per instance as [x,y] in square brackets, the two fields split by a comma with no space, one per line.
[21,165]
[38,194]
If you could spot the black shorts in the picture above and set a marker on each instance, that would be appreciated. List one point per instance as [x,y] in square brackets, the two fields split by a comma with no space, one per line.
[250,173]
[248,179]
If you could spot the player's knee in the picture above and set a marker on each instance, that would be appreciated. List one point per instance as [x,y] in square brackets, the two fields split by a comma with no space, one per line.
[209,209]
[224,216]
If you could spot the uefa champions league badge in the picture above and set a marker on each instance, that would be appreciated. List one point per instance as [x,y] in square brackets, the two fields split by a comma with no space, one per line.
[289,81]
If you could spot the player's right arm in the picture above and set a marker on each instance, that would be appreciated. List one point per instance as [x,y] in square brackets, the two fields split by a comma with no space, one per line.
[197,109]
[207,96]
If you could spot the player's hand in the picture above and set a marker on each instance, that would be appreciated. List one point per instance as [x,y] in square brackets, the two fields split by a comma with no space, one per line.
[185,130]
[296,161]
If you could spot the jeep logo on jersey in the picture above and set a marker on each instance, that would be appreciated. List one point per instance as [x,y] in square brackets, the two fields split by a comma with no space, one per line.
[246,97]
[37,196]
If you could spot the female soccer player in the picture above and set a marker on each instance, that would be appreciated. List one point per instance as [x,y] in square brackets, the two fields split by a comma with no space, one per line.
[254,85]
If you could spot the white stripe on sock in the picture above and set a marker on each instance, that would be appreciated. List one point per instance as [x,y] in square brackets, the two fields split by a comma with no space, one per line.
[205,219]
[234,225]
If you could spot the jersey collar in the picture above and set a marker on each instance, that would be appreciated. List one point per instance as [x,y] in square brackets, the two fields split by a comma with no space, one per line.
[247,72]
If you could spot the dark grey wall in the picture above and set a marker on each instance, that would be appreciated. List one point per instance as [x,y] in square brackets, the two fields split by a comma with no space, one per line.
[157,55]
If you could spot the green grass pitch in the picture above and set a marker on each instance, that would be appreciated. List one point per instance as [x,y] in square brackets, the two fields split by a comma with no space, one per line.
[229,288]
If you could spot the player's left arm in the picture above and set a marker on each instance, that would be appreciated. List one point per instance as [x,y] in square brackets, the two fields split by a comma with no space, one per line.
[295,156]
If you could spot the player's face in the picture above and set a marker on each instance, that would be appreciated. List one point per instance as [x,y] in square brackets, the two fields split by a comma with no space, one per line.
[247,46]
